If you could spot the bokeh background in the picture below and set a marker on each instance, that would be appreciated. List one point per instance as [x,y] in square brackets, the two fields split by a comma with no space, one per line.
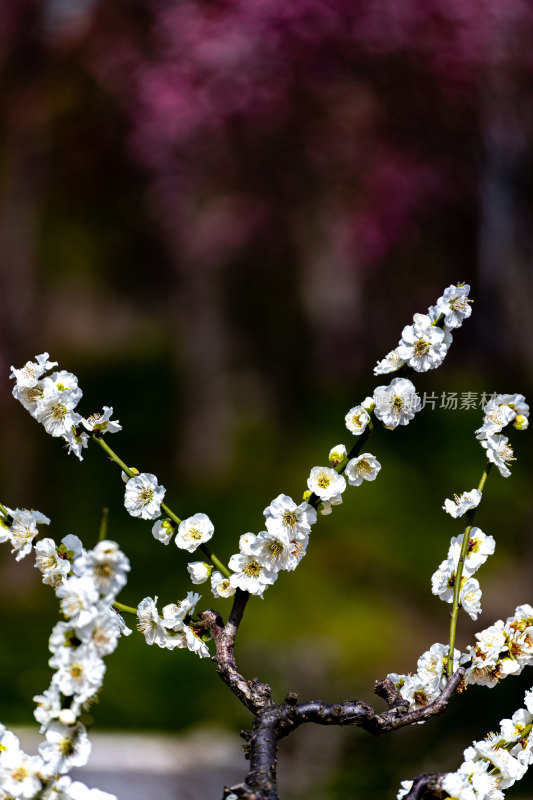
[219,215]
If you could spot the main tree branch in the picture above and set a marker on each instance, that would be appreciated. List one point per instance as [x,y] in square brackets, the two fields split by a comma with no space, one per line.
[273,722]
[277,721]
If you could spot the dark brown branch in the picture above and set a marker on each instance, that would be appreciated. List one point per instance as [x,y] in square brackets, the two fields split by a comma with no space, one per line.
[277,721]
[273,722]
[252,693]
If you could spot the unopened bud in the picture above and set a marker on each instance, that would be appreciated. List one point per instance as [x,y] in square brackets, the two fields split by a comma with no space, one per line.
[521,422]
[67,716]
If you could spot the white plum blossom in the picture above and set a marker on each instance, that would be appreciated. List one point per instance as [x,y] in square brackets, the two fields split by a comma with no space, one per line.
[199,571]
[79,671]
[443,584]
[249,574]
[246,540]
[53,565]
[56,414]
[194,531]
[515,401]
[62,385]
[391,363]
[471,782]
[293,519]
[276,551]
[102,631]
[106,565]
[29,396]
[455,305]
[174,613]
[357,419]
[76,439]
[499,451]
[102,423]
[470,597]
[48,706]
[20,774]
[423,345]
[513,729]
[195,643]
[149,622]
[171,631]
[480,547]
[443,580]
[519,407]
[363,468]
[221,586]
[24,529]
[326,483]
[497,416]
[65,747]
[30,373]
[397,403]
[431,667]
[462,503]
[491,643]
[78,596]
[144,496]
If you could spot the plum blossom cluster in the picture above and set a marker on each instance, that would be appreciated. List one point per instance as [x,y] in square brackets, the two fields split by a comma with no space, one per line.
[425,685]
[464,559]
[281,547]
[52,399]
[496,762]
[500,411]
[479,547]
[25,776]
[284,542]
[173,629]
[86,583]
[503,649]
[424,344]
